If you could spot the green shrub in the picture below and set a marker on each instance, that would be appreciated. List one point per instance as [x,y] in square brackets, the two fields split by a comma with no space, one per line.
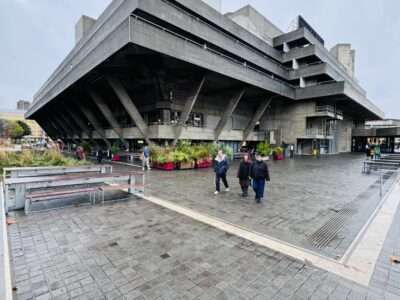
[264,149]
[278,151]
[28,158]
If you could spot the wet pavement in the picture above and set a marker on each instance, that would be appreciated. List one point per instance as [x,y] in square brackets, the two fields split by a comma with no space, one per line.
[304,194]
[137,250]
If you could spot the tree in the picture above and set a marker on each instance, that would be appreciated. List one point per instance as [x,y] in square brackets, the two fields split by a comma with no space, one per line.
[25,127]
[15,131]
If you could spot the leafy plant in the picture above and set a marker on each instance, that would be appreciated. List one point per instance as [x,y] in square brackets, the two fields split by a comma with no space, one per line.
[28,158]
[25,127]
[15,130]
[264,149]
[278,150]
[228,151]
[87,147]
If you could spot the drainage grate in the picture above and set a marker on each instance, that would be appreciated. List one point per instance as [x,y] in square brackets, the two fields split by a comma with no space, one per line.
[323,236]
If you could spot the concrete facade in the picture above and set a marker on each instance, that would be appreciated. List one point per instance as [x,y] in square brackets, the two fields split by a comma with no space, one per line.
[166,70]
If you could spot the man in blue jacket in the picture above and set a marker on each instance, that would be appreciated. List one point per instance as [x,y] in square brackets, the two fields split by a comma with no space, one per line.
[259,173]
[221,167]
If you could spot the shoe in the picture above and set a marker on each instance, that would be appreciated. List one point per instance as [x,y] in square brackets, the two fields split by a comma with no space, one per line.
[216,193]
[227,190]
[142,169]
[258,200]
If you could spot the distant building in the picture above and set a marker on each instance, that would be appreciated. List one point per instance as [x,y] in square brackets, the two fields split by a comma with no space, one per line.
[384,132]
[18,115]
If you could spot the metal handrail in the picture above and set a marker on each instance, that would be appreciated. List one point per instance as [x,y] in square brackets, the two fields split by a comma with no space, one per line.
[206,48]
[237,41]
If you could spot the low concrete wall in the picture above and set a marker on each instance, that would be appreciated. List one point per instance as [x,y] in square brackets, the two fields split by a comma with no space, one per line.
[5,272]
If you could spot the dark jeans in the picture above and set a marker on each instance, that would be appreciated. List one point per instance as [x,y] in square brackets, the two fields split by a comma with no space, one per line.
[218,178]
[258,187]
[244,184]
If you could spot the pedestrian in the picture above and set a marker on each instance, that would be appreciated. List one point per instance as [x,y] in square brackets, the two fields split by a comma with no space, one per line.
[377,152]
[291,150]
[244,174]
[259,173]
[368,150]
[146,158]
[221,167]
[99,156]
[372,152]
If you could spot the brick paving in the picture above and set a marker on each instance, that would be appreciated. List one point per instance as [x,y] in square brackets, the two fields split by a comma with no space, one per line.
[137,250]
[302,196]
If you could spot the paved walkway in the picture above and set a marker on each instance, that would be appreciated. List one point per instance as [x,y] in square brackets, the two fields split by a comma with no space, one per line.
[137,250]
[304,194]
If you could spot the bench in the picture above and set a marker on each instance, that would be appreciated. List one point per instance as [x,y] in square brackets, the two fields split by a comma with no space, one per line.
[70,185]
[9,174]
[378,164]
[51,195]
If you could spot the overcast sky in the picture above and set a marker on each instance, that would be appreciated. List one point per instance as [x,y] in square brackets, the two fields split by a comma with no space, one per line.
[35,35]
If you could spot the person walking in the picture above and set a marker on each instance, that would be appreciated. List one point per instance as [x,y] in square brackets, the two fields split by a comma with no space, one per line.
[221,167]
[244,174]
[368,150]
[259,173]
[146,158]
[99,156]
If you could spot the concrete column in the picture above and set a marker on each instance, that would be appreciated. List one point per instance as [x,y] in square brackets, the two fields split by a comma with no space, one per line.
[96,124]
[295,64]
[67,122]
[129,106]
[233,103]
[302,82]
[65,131]
[286,48]
[79,121]
[107,113]
[48,128]
[190,102]
[257,116]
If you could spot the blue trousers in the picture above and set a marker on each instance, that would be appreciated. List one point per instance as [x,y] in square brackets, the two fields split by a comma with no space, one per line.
[258,187]
[218,178]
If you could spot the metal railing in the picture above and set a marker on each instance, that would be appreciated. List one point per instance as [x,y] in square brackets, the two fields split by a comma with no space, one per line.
[318,131]
[5,270]
[328,109]
[237,41]
[137,19]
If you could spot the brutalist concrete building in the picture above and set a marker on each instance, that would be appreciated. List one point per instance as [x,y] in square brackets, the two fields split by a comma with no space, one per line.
[157,71]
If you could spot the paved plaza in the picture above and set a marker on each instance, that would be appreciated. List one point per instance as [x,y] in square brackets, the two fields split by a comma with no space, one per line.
[135,249]
[303,195]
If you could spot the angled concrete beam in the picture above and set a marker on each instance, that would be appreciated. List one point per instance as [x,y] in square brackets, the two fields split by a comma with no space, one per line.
[96,124]
[129,106]
[67,122]
[79,121]
[107,113]
[233,103]
[190,102]
[257,116]
[66,132]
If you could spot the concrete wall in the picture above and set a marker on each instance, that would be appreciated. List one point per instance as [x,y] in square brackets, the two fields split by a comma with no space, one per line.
[256,23]
[346,56]
[82,27]
[344,134]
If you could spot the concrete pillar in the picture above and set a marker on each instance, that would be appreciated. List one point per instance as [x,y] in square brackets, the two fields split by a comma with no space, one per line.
[107,113]
[302,82]
[257,116]
[68,123]
[295,64]
[96,124]
[233,103]
[190,102]
[79,121]
[286,47]
[129,106]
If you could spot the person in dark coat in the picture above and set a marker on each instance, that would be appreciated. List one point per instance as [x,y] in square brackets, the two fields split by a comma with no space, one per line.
[100,156]
[244,174]
[259,173]
[221,167]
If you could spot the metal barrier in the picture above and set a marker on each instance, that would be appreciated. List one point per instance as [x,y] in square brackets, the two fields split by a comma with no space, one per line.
[14,197]
[5,270]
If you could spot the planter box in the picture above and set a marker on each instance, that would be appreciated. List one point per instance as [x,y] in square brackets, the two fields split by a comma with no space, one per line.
[204,163]
[116,157]
[186,165]
[169,166]
[278,156]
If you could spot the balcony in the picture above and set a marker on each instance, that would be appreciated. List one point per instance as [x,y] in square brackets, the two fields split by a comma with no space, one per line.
[328,111]
[319,132]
